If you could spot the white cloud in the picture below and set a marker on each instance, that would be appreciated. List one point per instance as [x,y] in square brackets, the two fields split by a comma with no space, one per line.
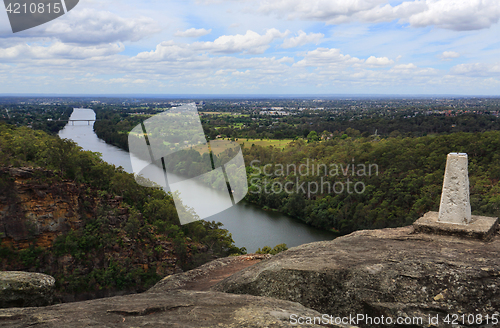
[126,80]
[92,27]
[168,50]
[405,66]
[380,61]
[327,57]
[193,33]
[476,69]
[251,42]
[22,52]
[457,15]
[449,55]
[301,39]
[323,10]
[411,71]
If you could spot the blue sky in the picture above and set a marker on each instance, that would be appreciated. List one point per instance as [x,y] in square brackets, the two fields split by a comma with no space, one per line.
[258,47]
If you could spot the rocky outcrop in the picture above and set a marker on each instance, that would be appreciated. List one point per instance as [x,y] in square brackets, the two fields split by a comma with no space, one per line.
[177,308]
[207,275]
[389,272]
[23,289]
[36,206]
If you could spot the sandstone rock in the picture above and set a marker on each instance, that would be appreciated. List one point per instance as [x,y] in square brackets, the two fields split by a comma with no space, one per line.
[208,274]
[390,272]
[21,172]
[178,308]
[25,289]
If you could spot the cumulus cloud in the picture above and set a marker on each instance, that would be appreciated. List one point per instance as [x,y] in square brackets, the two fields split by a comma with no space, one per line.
[412,71]
[327,57]
[301,39]
[93,27]
[168,50]
[458,15]
[449,55]
[476,69]
[251,43]
[193,33]
[57,50]
[448,14]
[379,61]
[324,10]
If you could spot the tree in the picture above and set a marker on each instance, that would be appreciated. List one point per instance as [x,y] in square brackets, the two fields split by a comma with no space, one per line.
[312,136]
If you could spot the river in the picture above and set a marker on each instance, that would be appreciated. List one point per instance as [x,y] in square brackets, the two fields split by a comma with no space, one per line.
[250,226]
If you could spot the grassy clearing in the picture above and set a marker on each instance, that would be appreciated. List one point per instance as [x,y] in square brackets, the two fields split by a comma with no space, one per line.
[218,146]
[224,114]
[265,142]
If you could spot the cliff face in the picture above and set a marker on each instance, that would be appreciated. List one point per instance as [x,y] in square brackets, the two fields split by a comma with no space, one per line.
[78,235]
[33,211]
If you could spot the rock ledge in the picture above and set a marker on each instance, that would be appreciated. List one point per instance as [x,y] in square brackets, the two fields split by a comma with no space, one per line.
[390,272]
[25,289]
[175,308]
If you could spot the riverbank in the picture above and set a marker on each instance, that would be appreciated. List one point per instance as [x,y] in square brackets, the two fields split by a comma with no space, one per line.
[250,226]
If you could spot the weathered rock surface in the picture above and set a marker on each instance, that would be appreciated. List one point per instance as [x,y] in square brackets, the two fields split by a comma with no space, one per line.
[35,207]
[177,308]
[24,289]
[207,275]
[390,272]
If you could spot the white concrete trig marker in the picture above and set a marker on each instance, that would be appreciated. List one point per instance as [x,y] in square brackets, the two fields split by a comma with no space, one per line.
[455,202]
[454,217]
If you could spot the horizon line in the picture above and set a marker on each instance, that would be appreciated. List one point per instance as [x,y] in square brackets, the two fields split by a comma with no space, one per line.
[200,95]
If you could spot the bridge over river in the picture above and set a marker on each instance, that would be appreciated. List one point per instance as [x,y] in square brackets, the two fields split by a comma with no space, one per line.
[73,121]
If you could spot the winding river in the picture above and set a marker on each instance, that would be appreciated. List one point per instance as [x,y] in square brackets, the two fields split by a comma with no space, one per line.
[250,226]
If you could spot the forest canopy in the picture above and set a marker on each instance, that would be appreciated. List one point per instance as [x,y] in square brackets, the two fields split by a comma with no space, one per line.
[406,185]
[409,154]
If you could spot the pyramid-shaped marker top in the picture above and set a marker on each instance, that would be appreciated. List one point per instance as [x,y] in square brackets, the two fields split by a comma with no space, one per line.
[455,202]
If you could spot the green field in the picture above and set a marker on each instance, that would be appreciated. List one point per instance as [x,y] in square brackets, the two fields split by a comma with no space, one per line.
[218,147]
[265,142]
[224,114]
